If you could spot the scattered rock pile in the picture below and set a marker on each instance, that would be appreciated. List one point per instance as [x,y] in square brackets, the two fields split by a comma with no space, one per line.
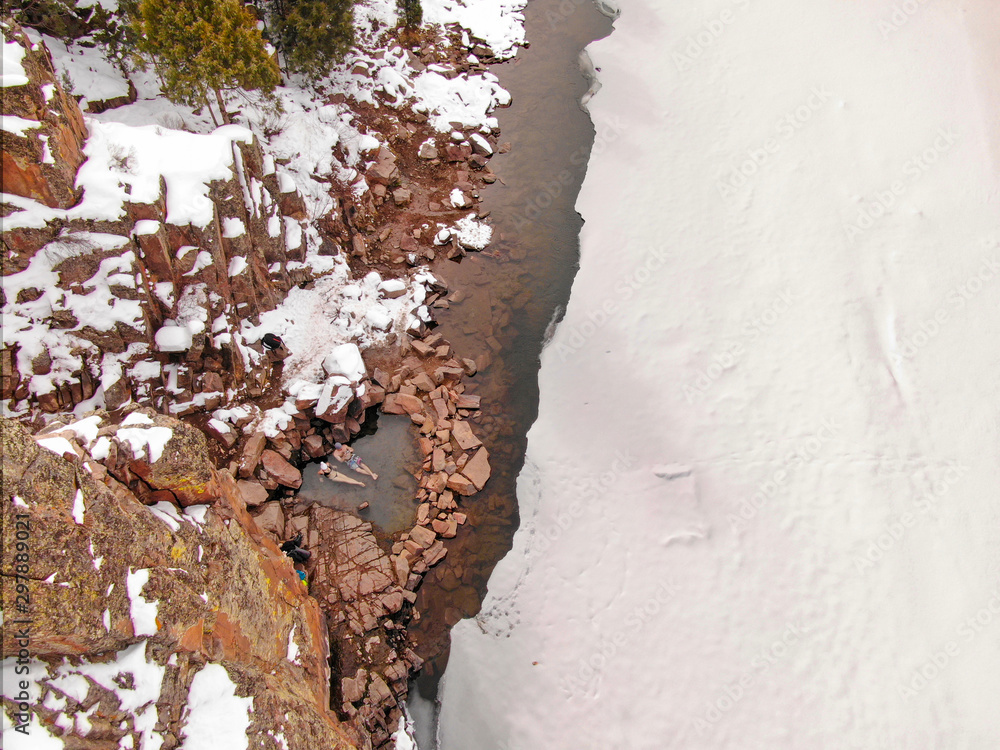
[429,390]
[403,217]
[368,592]
[367,611]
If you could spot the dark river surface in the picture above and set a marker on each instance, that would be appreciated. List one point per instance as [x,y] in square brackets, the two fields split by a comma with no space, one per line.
[509,296]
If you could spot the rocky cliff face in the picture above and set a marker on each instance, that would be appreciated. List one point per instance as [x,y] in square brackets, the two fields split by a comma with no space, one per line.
[161,266]
[134,542]
[153,590]
[40,160]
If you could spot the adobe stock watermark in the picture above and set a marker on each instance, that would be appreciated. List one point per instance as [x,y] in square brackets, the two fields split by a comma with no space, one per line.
[896,529]
[626,287]
[591,666]
[732,692]
[567,8]
[606,132]
[586,489]
[804,452]
[883,200]
[564,10]
[954,300]
[938,661]
[19,622]
[899,17]
[696,44]
[785,128]
[695,389]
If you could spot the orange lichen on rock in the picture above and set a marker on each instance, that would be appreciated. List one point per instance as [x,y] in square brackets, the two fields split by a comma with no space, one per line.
[218,595]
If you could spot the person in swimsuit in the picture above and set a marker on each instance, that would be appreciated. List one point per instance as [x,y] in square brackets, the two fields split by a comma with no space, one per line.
[325,470]
[345,454]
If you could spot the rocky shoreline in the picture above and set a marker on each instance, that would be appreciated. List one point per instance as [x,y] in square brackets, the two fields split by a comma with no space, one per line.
[366,592]
[364,586]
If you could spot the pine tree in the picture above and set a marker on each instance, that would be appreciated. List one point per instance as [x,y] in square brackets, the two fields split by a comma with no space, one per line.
[411,13]
[203,46]
[60,18]
[118,36]
[313,34]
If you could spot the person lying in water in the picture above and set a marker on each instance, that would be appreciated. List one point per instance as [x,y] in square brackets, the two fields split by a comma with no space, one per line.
[345,454]
[325,470]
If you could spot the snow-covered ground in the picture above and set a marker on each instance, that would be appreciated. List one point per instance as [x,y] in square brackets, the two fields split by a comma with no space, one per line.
[759,508]
[309,143]
[215,715]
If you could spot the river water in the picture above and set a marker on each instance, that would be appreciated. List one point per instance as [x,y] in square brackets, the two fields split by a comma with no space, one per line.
[390,452]
[512,293]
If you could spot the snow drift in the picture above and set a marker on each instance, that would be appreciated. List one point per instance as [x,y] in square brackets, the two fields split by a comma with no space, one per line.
[789,276]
